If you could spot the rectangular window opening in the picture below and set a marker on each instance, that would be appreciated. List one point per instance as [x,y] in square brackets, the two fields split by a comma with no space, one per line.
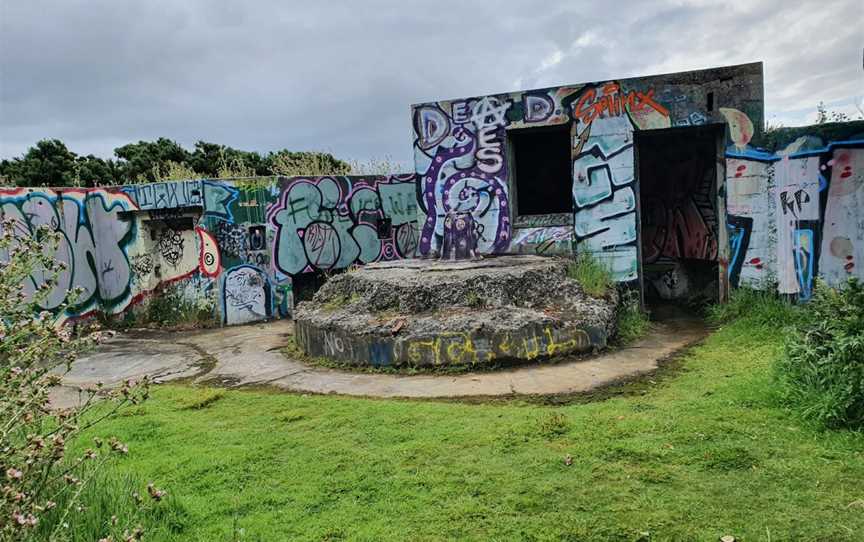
[542,170]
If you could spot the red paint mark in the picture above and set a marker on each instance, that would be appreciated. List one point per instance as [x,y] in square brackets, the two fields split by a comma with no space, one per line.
[737,174]
[848,267]
[742,167]
[756,263]
[847,172]
[849,258]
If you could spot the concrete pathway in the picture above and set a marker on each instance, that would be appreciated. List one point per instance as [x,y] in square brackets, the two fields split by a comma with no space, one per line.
[250,356]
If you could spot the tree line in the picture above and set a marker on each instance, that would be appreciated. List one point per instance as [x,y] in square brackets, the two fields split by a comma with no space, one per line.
[51,163]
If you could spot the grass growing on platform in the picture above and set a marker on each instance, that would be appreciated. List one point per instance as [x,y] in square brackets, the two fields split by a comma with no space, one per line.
[594,277]
[702,453]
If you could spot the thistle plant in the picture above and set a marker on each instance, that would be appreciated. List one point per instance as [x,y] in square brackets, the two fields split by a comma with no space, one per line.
[40,479]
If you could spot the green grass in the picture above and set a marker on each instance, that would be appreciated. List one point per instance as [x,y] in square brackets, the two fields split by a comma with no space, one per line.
[761,308]
[633,322]
[591,274]
[703,452]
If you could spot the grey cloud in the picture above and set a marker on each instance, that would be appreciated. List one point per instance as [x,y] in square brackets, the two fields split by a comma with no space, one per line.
[340,76]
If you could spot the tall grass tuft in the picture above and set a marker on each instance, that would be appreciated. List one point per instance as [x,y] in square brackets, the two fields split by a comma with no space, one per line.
[763,310]
[633,322]
[108,506]
[822,370]
[591,274]
[377,166]
[288,164]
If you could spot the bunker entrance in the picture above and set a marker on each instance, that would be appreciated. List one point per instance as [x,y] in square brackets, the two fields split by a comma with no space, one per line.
[678,172]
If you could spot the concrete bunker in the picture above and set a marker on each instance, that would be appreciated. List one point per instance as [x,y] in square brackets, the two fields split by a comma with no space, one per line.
[784,209]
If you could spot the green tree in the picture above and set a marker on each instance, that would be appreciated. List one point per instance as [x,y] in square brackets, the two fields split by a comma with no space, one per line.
[825,115]
[94,171]
[209,158]
[49,163]
[148,161]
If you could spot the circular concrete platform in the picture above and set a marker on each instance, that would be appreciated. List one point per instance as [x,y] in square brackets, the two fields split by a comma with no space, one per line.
[431,312]
[250,356]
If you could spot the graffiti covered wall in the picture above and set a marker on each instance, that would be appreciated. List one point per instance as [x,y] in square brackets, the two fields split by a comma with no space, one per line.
[463,162]
[794,208]
[94,243]
[333,222]
[234,246]
[793,204]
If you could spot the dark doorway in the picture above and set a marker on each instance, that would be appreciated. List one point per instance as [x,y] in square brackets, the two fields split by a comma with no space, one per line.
[541,166]
[680,241]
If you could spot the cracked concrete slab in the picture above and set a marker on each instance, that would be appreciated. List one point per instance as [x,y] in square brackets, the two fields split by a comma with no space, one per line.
[251,355]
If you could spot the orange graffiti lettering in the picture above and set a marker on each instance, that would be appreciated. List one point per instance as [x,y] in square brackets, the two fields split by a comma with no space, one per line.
[614,103]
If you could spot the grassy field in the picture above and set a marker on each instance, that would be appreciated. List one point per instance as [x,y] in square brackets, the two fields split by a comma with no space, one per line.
[697,454]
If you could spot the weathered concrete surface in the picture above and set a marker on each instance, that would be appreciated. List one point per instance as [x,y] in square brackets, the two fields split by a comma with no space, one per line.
[429,312]
[250,355]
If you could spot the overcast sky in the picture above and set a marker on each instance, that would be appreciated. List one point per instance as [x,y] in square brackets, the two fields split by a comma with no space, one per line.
[340,76]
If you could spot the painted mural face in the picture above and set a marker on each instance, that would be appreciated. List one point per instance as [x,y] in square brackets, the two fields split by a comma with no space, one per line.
[461,156]
[750,222]
[603,173]
[843,236]
[247,296]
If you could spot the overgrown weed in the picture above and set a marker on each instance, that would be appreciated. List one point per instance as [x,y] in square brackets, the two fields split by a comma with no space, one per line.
[761,308]
[591,274]
[633,322]
[822,370]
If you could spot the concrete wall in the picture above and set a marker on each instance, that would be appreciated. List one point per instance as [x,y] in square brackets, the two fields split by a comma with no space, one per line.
[231,247]
[461,156]
[795,204]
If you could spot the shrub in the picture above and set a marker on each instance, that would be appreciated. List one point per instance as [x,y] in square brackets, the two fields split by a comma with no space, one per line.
[41,482]
[591,274]
[169,307]
[822,369]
